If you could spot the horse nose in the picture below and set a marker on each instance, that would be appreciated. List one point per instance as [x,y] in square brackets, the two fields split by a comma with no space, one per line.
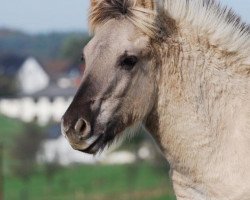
[80,128]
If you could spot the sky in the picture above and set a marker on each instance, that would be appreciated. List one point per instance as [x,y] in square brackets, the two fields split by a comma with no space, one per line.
[35,16]
[41,16]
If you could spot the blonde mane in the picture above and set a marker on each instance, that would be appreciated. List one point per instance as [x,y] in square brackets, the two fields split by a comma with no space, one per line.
[221,25]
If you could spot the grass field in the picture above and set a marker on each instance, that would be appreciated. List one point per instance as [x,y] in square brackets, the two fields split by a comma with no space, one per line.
[140,181]
[9,128]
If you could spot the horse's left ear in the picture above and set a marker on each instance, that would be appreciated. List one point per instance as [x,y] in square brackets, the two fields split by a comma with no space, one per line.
[147,4]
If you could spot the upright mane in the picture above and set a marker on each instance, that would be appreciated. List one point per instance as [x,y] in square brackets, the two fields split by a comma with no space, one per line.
[141,13]
[222,27]
[220,24]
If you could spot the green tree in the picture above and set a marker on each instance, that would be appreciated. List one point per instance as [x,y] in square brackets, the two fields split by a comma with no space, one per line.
[8,87]
[24,151]
[72,48]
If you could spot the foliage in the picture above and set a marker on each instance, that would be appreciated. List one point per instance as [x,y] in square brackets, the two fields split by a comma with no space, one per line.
[24,151]
[42,46]
[8,87]
[72,48]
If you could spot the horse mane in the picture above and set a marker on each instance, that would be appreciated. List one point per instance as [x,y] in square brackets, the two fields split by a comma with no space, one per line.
[141,13]
[221,25]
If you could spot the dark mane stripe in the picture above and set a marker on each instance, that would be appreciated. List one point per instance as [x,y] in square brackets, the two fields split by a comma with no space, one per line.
[104,10]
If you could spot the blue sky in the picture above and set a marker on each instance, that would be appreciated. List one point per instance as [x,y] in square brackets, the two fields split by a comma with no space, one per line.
[35,16]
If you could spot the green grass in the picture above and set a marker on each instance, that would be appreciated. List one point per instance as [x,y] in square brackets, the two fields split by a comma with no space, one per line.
[9,128]
[141,181]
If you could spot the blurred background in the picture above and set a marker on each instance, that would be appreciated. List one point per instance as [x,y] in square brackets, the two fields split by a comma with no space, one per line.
[40,70]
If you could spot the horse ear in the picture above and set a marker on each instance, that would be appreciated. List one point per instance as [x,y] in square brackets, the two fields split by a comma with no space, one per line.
[147,4]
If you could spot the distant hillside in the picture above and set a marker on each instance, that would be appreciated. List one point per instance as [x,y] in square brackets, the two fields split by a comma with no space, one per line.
[43,46]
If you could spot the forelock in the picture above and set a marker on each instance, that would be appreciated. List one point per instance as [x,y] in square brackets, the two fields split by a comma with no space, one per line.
[141,13]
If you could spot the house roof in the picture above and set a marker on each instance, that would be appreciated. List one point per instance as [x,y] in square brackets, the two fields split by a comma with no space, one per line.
[10,64]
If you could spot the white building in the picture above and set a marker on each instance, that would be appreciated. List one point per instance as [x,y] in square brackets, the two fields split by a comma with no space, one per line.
[39,99]
[32,77]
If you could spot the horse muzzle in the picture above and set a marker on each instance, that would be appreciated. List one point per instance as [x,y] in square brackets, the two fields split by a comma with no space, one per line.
[80,135]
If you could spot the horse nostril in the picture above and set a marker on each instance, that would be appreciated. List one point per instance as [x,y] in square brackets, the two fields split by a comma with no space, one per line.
[82,127]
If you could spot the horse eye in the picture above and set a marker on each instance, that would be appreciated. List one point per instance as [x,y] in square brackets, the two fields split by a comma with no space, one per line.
[129,62]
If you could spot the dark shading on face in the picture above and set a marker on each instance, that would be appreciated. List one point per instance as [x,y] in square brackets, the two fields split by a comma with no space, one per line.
[117,90]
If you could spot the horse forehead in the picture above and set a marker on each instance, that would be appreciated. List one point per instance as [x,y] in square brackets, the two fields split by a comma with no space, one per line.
[115,33]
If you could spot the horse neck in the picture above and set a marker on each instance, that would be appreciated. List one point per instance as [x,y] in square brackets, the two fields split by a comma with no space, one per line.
[199,103]
[202,116]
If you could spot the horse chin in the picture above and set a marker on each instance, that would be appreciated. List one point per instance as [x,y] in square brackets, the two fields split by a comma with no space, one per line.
[103,139]
[96,146]
[115,133]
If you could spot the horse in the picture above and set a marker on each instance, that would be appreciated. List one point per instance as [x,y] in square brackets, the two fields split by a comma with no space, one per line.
[179,69]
